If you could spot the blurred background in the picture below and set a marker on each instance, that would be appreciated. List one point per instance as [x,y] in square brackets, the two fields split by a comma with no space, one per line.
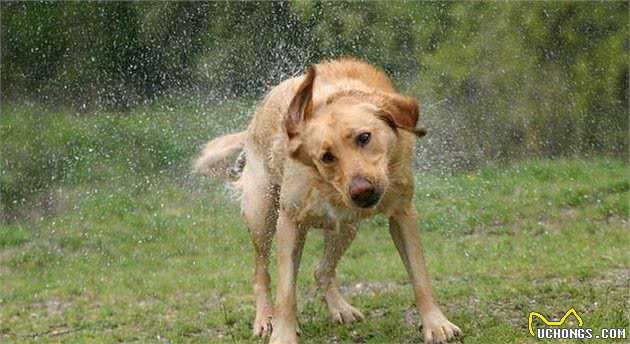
[503,80]
[497,81]
[104,105]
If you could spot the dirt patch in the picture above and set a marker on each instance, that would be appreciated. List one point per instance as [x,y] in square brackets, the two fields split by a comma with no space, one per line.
[359,288]
[614,278]
[215,332]
[373,288]
[49,308]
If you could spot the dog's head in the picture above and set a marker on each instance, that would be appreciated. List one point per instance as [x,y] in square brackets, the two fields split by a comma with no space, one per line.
[350,139]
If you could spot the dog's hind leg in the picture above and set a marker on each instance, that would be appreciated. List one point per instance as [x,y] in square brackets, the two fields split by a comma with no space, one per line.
[259,206]
[335,244]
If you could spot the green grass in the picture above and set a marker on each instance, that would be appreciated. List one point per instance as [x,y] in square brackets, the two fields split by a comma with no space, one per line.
[131,248]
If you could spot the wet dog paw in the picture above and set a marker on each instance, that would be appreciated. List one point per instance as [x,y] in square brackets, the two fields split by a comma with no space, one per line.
[341,312]
[437,329]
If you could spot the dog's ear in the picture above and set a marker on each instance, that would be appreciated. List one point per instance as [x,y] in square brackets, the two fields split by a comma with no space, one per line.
[301,106]
[296,151]
[402,112]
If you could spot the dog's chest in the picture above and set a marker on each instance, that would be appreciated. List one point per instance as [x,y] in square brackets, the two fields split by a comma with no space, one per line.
[322,210]
[334,216]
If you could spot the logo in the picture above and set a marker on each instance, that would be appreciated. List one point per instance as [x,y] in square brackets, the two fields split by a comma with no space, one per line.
[553,330]
[553,323]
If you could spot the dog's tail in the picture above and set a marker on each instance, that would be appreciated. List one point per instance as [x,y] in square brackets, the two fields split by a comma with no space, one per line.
[223,158]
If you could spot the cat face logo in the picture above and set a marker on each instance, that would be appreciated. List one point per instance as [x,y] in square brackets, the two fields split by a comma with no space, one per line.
[553,323]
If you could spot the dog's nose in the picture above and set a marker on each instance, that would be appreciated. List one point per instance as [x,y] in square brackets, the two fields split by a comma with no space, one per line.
[363,192]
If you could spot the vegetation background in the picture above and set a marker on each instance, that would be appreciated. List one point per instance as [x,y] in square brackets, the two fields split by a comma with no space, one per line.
[522,182]
[550,77]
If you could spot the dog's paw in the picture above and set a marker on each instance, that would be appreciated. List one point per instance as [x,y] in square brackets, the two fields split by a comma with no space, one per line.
[437,329]
[341,312]
[262,324]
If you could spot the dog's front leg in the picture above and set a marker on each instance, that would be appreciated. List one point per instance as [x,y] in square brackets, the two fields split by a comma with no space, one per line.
[335,245]
[290,244]
[403,228]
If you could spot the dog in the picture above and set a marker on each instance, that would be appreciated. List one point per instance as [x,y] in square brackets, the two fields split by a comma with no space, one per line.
[326,150]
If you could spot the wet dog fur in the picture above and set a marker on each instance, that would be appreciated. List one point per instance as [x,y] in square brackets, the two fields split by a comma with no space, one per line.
[326,150]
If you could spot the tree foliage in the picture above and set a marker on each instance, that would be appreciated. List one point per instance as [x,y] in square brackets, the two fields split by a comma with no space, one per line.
[498,80]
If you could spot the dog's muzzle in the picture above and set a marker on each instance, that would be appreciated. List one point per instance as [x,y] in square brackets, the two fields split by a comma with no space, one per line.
[363,193]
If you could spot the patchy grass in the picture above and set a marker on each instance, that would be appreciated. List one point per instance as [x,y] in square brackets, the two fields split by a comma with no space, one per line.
[146,253]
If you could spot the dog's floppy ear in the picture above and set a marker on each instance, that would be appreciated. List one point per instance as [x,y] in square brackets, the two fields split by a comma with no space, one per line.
[402,112]
[300,110]
[301,106]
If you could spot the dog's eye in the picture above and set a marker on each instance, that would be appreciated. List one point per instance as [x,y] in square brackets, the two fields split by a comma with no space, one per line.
[327,158]
[363,139]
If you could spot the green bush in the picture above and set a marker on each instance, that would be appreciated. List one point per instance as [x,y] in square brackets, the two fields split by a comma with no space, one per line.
[43,150]
[498,81]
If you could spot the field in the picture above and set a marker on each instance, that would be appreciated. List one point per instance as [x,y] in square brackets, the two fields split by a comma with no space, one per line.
[108,238]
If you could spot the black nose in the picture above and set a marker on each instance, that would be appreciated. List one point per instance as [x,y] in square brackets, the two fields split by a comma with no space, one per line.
[363,193]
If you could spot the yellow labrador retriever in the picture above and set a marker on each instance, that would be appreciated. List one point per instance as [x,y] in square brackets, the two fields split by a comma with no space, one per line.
[327,149]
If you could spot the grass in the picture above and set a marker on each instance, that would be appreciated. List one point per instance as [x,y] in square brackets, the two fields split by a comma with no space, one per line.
[112,240]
